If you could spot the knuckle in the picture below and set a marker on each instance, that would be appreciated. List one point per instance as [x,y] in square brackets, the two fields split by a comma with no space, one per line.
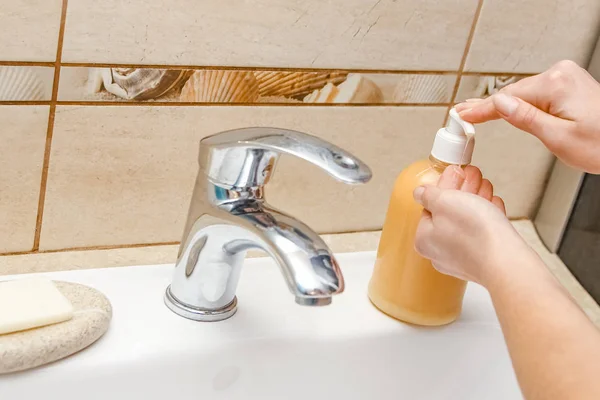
[421,246]
[442,198]
[507,89]
[557,79]
[529,115]
[566,66]
[561,75]
[428,197]
[445,201]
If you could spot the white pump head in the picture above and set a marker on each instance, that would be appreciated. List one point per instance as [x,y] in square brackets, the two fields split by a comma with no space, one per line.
[454,144]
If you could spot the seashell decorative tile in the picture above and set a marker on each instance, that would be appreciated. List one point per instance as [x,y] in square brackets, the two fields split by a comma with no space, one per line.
[140,83]
[26,83]
[422,89]
[295,84]
[252,86]
[218,86]
[355,89]
[475,86]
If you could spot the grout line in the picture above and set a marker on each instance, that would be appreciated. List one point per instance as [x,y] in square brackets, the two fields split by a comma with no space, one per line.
[50,131]
[25,103]
[138,245]
[259,68]
[517,74]
[207,104]
[90,248]
[463,61]
[266,68]
[44,178]
[27,64]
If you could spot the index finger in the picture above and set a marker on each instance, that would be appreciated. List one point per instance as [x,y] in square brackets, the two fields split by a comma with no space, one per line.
[532,90]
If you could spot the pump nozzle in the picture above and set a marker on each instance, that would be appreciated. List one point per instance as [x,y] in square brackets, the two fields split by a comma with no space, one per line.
[454,143]
[459,126]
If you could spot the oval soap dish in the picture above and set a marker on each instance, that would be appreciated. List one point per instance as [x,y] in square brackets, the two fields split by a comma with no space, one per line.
[35,347]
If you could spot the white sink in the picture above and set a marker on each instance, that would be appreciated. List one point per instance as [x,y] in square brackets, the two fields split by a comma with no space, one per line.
[273,348]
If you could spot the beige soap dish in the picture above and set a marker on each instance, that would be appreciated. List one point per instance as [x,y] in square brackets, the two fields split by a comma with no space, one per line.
[28,349]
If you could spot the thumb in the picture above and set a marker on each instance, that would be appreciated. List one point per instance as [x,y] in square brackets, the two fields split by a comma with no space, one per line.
[428,197]
[529,118]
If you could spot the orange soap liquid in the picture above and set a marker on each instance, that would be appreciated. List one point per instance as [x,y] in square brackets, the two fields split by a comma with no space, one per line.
[405,285]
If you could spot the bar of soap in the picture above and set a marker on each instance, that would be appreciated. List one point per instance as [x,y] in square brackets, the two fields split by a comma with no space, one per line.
[30,303]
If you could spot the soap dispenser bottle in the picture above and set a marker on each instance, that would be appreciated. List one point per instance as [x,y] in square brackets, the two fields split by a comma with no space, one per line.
[405,285]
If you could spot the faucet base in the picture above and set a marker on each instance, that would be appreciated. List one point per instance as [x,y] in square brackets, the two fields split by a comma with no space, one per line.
[313,301]
[199,314]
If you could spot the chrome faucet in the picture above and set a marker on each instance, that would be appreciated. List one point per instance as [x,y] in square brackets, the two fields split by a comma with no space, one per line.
[228,215]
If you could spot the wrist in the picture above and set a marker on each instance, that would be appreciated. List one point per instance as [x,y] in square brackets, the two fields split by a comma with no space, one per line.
[513,264]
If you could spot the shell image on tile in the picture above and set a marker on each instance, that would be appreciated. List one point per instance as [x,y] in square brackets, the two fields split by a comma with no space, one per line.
[142,83]
[356,89]
[489,85]
[422,89]
[294,84]
[218,86]
[20,84]
[477,86]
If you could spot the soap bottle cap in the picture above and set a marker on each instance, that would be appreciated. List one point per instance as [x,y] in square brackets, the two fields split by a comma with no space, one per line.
[454,143]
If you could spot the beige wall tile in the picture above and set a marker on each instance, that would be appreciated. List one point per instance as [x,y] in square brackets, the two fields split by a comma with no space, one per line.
[29,29]
[123,175]
[516,163]
[23,138]
[529,36]
[18,83]
[386,34]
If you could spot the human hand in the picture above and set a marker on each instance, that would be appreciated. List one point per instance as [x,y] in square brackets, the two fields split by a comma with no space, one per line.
[561,107]
[464,229]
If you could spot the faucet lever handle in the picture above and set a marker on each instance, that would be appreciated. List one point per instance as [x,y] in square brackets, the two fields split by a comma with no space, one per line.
[242,158]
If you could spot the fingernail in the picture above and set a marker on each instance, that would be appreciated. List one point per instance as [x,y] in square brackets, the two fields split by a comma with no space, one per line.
[458,171]
[505,104]
[418,194]
[473,100]
[465,112]
[461,106]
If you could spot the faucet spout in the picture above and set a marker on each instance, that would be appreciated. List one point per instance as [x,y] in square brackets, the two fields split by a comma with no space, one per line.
[309,268]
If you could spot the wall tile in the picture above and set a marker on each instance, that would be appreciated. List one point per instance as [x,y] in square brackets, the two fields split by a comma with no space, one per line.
[123,175]
[19,83]
[380,34]
[516,163]
[252,86]
[529,36]
[475,86]
[29,30]
[23,138]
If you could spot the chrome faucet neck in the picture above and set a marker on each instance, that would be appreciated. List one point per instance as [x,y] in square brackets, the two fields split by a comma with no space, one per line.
[228,215]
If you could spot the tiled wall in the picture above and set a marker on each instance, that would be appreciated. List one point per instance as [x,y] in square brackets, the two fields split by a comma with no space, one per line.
[102,104]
